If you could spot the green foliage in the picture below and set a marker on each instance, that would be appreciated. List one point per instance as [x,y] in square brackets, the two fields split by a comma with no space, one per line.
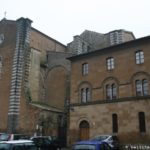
[28,95]
[43,64]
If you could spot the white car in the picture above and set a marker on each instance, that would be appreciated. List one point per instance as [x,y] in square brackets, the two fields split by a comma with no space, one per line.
[9,137]
[18,145]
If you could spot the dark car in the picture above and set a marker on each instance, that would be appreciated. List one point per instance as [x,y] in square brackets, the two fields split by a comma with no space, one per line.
[45,143]
[91,145]
[112,140]
[18,145]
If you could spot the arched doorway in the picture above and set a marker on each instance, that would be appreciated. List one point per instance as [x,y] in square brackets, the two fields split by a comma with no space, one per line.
[84,128]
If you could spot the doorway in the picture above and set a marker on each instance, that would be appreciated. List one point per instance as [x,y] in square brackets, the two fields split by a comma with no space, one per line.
[84,128]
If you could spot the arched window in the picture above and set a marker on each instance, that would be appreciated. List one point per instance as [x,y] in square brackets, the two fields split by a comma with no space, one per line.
[114,123]
[142,126]
[141,87]
[111,91]
[85,95]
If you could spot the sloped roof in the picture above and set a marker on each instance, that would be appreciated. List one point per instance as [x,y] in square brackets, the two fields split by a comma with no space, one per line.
[46,107]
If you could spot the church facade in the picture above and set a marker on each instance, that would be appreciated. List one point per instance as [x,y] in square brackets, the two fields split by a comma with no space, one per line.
[30,62]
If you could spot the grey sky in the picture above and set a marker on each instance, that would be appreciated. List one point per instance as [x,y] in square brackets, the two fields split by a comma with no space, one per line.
[62,19]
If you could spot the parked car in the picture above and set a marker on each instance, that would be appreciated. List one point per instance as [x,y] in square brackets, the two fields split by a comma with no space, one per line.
[45,143]
[1,134]
[112,140]
[8,137]
[59,141]
[91,145]
[18,145]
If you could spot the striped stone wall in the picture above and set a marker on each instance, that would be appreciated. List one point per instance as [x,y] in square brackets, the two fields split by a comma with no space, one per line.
[19,71]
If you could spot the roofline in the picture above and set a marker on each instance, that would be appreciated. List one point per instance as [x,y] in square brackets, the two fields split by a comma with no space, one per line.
[48,36]
[107,48]
[4,19]
[123,31]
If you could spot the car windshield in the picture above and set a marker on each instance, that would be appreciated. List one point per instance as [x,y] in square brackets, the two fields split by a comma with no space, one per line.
[41,141]
[4,146]
[84,147]
[100,138]
[4,137]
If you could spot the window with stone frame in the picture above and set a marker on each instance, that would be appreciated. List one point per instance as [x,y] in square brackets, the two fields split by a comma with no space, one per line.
[142,124]
[110,63]
[141,87]
[111,91]
[85,69]
[139,57]
[85,92]
[85,95]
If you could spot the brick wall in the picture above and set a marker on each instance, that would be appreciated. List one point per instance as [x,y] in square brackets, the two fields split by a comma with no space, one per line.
[8,29]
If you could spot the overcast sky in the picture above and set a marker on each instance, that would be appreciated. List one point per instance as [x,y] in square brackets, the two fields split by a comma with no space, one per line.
[63,19]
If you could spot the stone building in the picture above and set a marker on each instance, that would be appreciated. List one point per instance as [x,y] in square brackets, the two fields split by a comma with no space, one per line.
[105,94]
[34,79]
[110,92]
[90,40]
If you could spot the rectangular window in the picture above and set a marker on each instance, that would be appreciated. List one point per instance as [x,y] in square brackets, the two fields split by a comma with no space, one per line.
[138,88]
[142,122]
[82,95]
[145,87]
[115,123]
[139,56]
[87,94]
[108,92]
[85,69]
[114,91]
[110,63]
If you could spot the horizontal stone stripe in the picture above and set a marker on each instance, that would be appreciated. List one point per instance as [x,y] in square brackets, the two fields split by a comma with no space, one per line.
[13,113]
[13,96]
[14,109]
[15,102]
[14,90]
